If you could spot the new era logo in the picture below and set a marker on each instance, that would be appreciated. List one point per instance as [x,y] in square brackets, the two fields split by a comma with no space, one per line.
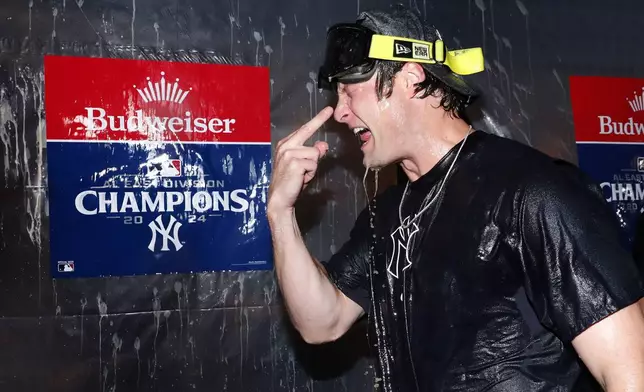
[413,50]
[421,51]
[640,164]
[401,49]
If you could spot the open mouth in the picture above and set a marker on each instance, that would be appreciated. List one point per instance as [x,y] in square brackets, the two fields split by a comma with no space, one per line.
[362,134]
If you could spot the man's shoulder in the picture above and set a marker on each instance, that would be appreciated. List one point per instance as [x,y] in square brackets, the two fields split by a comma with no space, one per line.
[530,175]
[507,150]
[529,166]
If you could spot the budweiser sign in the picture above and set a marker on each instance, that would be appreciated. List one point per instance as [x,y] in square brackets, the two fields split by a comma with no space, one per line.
[617,117]
[170,105]
[156,167]
[608,115]
[160,92]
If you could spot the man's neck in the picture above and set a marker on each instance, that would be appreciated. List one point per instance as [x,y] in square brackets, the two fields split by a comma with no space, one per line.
[432,144]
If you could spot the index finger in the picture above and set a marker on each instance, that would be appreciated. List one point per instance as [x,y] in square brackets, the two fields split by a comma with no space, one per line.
[307,130]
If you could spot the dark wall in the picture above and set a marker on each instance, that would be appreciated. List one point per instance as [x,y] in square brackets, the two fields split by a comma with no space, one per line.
[227,331]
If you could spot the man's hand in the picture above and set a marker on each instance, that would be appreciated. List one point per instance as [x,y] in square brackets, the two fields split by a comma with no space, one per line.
[613,350]
[295,165]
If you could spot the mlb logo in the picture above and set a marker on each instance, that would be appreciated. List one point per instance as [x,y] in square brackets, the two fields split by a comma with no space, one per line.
[173,169]
[163,168]
[65,266]
[640,164]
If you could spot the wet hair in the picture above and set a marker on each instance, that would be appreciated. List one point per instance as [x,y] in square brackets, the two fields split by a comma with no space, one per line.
[452,101]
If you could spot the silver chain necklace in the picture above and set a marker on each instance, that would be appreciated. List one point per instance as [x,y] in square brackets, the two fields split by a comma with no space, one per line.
[425,205]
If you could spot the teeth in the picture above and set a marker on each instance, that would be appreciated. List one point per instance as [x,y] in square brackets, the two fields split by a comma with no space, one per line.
[357,130]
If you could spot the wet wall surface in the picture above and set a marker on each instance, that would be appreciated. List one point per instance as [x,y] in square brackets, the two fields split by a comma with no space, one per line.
[228,331]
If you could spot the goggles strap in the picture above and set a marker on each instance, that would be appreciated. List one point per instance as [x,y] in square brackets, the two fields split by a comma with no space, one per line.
[462,61]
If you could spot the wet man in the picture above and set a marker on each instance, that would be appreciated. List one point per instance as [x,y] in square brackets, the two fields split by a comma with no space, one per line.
[494,268]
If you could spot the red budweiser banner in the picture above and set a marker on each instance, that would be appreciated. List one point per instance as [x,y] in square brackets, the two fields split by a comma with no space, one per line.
[176,102]
[608,109]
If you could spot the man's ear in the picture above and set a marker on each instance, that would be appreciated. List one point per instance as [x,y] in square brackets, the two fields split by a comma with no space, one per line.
[413,74]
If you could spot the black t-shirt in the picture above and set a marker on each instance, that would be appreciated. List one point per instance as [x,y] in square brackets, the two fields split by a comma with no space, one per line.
[516,257]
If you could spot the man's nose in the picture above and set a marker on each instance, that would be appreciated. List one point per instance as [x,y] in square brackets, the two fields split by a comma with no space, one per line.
[341,112]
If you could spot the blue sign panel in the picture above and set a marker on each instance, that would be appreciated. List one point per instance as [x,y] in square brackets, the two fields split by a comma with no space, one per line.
[619,170]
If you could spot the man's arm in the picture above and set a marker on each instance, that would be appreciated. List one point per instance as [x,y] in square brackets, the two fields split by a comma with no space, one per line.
[582,282]
[318,310]
[613,350]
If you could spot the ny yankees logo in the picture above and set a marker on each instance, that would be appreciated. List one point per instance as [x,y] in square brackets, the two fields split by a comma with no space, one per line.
[401,239]
[157,226]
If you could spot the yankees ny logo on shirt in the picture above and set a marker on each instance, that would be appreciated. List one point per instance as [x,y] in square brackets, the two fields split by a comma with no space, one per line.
[401,239]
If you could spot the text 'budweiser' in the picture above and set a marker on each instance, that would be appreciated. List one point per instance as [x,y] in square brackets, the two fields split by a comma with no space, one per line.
[97,119]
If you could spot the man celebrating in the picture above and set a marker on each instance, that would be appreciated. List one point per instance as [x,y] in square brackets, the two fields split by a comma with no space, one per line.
[494,268]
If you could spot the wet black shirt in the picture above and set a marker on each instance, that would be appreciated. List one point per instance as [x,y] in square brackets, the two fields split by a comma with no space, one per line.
[517,256]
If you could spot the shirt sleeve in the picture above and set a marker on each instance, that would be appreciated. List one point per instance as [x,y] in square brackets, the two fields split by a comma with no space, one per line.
[348,269]
[575,267]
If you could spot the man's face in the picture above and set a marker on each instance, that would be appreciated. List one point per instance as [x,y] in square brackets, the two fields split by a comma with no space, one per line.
[377,123]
